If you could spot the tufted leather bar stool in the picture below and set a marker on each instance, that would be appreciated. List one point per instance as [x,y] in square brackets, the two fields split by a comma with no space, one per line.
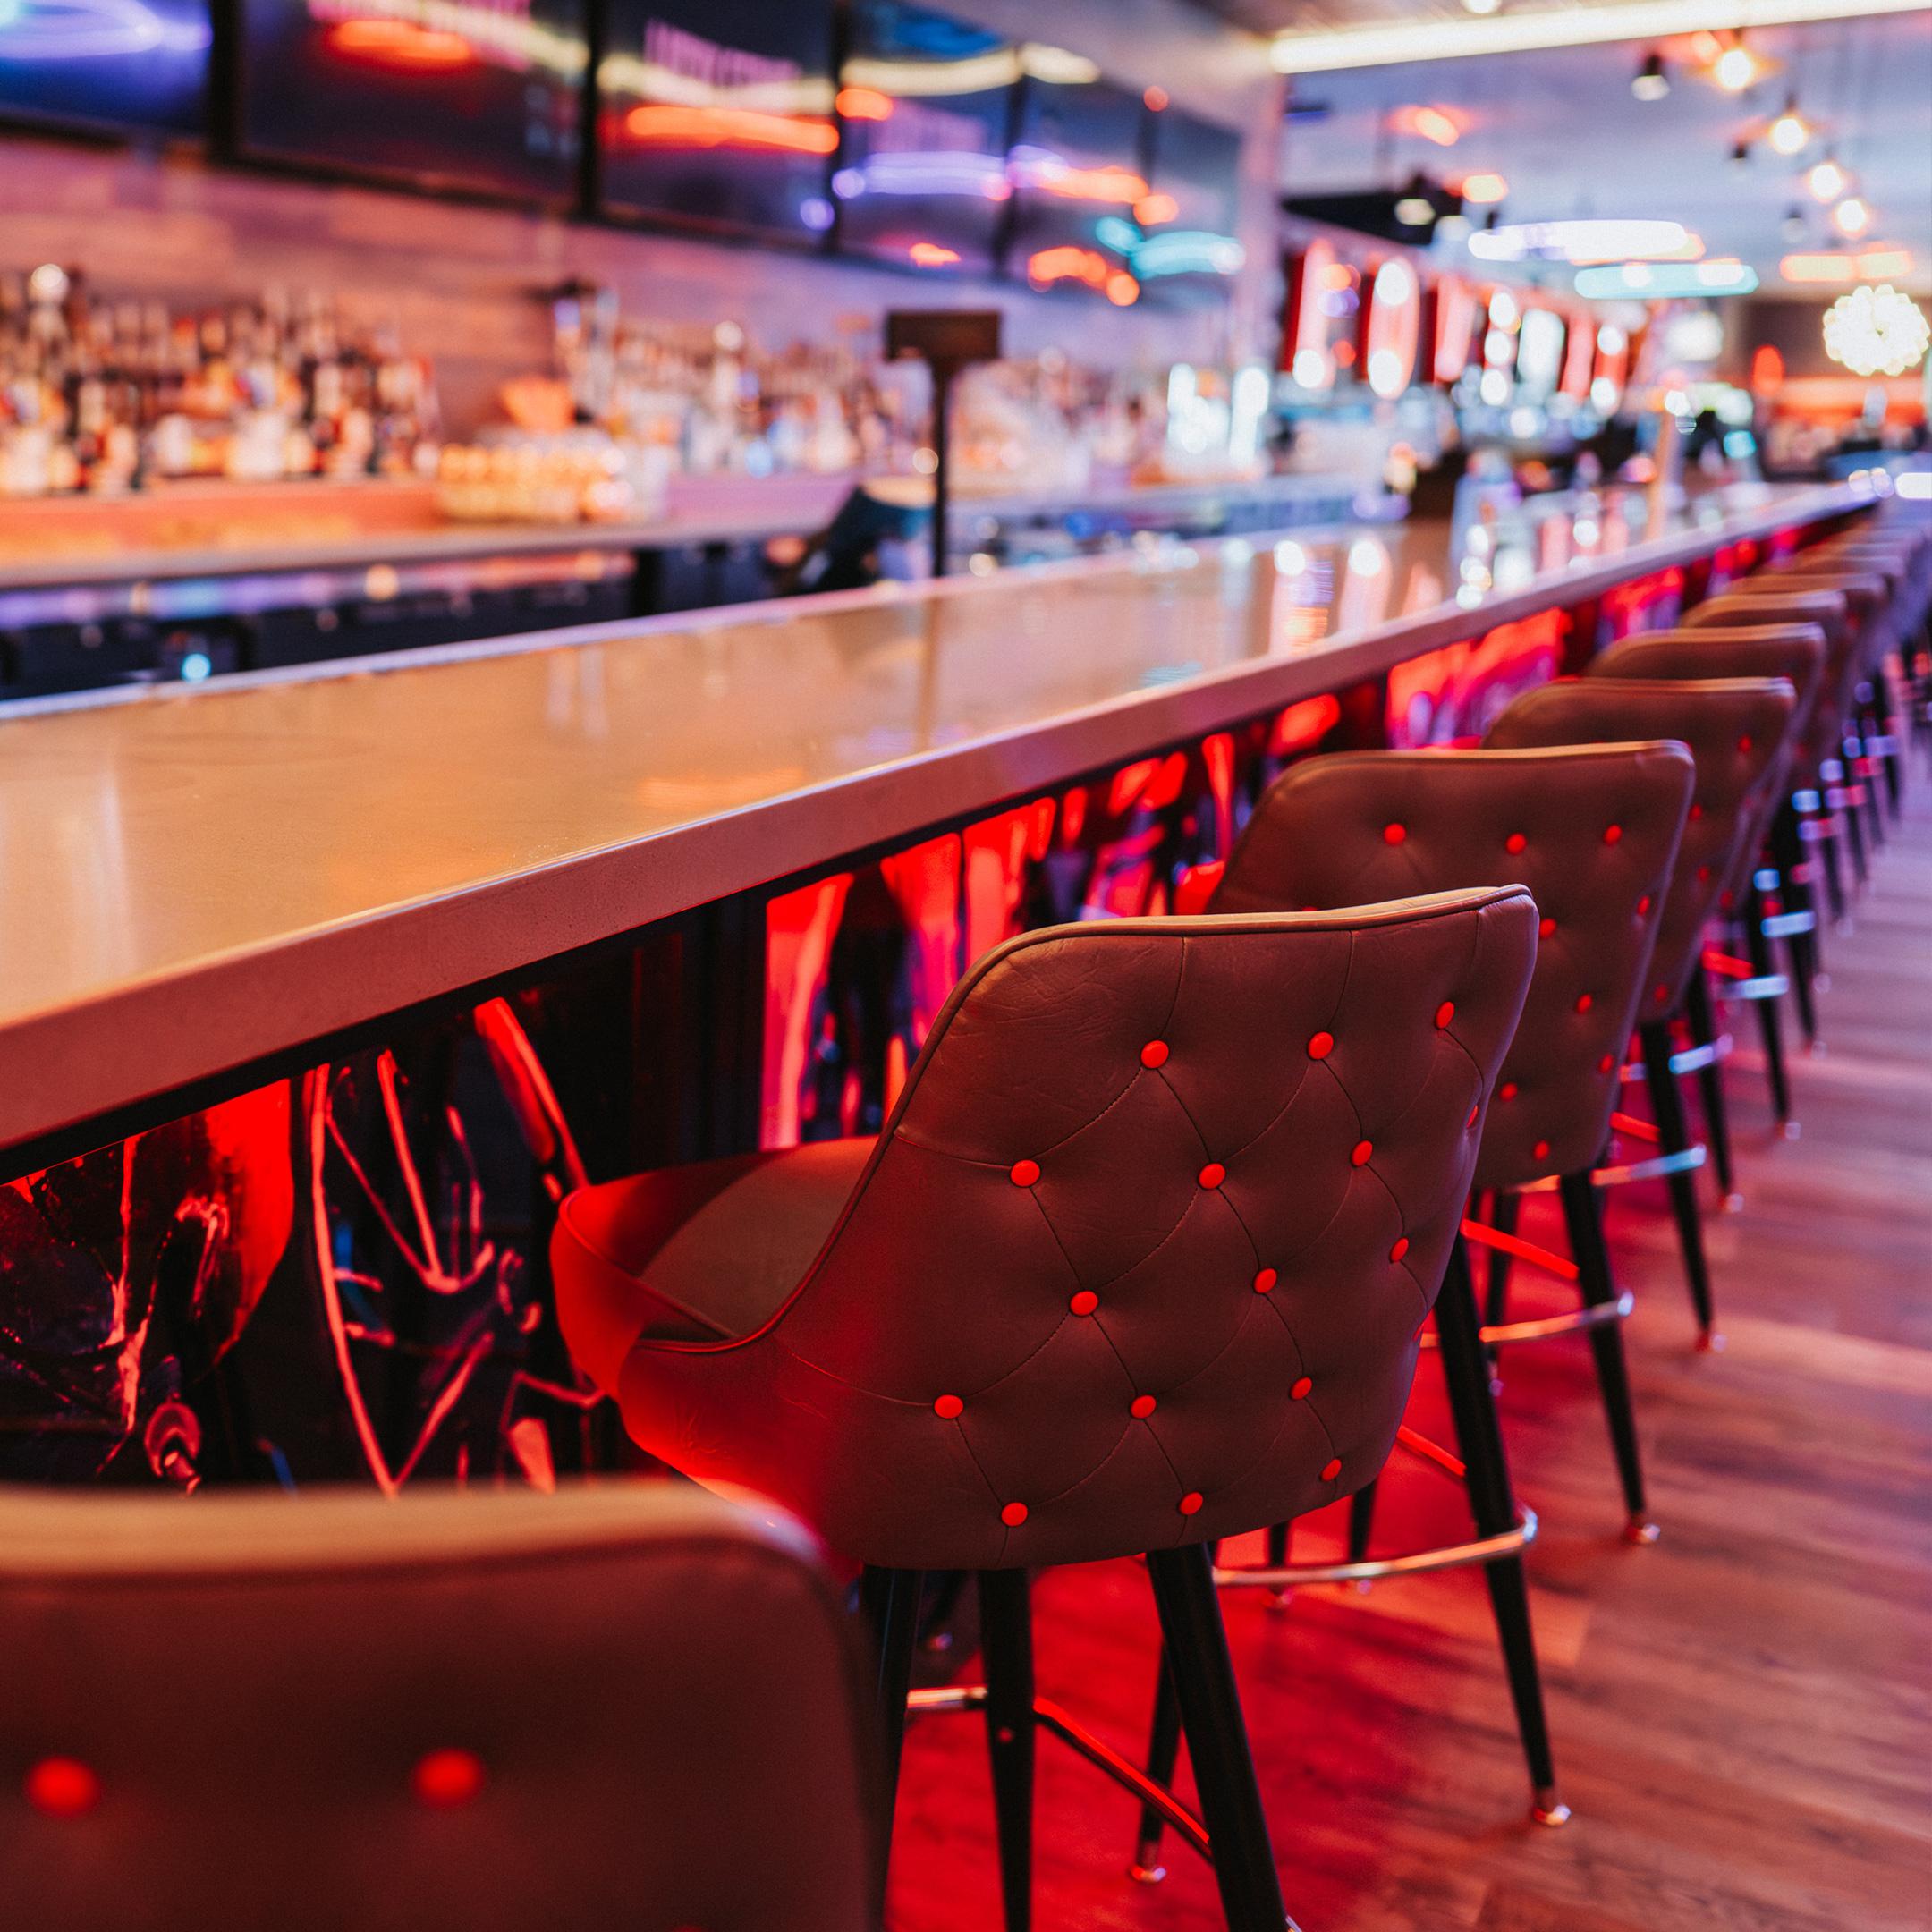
[1735,729]
[1138,1262]
[1817,798]
[449,1711]
[1795,653]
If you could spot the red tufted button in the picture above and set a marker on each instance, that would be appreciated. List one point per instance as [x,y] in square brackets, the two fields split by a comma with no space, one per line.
[1140,1408]
[1473,1112]
[1331,1469]
[1399,1249]
[1545,928]
[1514,843]
[1191,1503]
[1298,1392]
[444,1779]
[1023,1172]
[1607,1063]
[1585,1001]
[1085,1302]
[63,1787]
[1643,905]
[1660,992]
[1703,873]
[1612,833]
[1540,1151]
[1153,1054]
[1320,1046]
[1507,1090]
[1445,1013]
[1393,834]
[1696,811]
[1265,1281]
[1744,743]
[1014,1515]
[947,1407]
[1362,1152]
[1213,1174]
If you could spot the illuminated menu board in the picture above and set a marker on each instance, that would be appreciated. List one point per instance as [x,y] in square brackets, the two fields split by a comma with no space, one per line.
[483,94]
[139,65]
[1079,191]
[925,107]
[1191,253]
[718,114]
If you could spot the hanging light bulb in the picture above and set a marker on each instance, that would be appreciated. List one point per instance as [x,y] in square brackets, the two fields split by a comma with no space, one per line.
[1793,225]
[1852,216]
[1740,154]
[1876,331]
[1651,83]
[1482,6]
[1826,180]
[1791,132]
[1736,67]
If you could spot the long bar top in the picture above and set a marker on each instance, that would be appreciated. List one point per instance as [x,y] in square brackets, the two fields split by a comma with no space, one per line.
[196,879]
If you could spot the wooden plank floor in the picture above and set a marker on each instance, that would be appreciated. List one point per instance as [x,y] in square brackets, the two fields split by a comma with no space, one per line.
[1742,1712]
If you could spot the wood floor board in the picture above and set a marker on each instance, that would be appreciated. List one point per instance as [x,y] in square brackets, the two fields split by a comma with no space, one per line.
[1742,1712]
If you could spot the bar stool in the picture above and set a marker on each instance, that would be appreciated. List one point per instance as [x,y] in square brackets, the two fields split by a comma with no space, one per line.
[1735,729]
[632,1705]
[1795,653]
[1138,1262]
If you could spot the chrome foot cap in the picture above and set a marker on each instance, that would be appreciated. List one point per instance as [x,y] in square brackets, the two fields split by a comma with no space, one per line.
[1640,1530]
[1549,1810]
[1790,1128]
[1710,1342]
[1148,1875]
[1733,1202]
[1280,1601]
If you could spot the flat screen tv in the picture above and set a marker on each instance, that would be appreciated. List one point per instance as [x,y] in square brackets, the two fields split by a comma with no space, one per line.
[1079,186]
[133,66]
[925,107]
[1191,253]
[481,96]
[717,115]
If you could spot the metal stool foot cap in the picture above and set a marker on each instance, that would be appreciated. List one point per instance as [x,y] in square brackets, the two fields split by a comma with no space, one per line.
[1146,1875]
[1641,1530]
[1733,1202]
[1279,1601]
[1709,1342]
[1790,1128]
[1548,1808]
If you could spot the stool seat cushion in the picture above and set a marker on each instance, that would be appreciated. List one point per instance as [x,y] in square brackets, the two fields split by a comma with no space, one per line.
[699,1253]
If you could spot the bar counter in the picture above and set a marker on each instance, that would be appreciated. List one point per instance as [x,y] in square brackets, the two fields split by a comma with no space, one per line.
[198,881]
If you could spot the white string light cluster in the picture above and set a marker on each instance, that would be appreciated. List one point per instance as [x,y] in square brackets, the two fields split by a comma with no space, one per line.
[1876,331]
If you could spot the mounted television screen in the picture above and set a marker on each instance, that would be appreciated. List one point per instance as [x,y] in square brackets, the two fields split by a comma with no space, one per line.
[1191,253]
[138,66]
[925,104]
[717,113]
[1079,189]
[477,95]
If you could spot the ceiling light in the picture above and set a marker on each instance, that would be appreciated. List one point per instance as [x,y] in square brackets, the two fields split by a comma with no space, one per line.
[1661,280]
[1736,68]
[1852,216]
[1826,180]
[1435,125]
[1480,7]
[1580,241]
[1740,154]
[1792,227]
[1652,83]
[1483,190]
[1876,331]
[1328,50]
[1790,133]
[1835,266]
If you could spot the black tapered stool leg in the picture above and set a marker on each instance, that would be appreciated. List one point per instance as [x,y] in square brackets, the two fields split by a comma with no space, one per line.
[890,1599]
[1710,1087]
[1582,1204]
[1673,1137]
[1361,1523]
[1848,816]
[1217,1739]
[1164,1752]
[1493,1504]
[1506,1215]
[1770,1021]
[1006,1650]
[1825,845]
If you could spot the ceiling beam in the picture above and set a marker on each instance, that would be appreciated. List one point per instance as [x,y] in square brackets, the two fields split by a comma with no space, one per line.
[1388,43]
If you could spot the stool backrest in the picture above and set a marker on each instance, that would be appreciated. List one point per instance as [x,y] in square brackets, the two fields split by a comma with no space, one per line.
[1141,1256]
[1735,729]
[1832,613]
[1321,837]
[457,1711]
